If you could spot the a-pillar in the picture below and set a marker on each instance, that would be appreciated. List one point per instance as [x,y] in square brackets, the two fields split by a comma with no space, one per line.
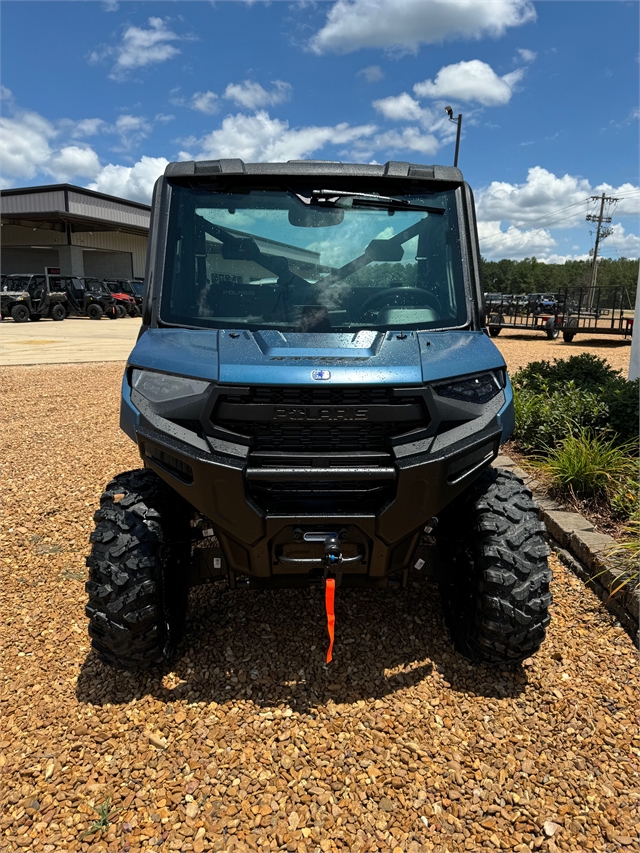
[71,260]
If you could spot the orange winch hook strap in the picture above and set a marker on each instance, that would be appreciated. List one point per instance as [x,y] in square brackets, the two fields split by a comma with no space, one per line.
[329,597]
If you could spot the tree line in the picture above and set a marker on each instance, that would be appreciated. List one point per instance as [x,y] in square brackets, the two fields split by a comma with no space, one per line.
[533,276]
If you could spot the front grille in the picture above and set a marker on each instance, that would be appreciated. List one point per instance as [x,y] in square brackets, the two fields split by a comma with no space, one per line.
[320,497]
[303,419]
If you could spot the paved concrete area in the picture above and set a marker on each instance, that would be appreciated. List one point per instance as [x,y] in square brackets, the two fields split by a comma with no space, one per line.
[76,339]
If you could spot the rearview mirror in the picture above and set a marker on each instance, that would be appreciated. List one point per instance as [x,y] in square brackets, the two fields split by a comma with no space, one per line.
[305,216]
[384,250]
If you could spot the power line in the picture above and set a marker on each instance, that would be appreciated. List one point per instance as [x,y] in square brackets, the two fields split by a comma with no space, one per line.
[499,236]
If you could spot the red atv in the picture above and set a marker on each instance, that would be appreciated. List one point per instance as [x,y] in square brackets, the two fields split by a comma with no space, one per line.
[126,305]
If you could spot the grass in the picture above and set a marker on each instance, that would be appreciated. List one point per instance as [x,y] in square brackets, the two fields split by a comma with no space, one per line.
[590,466]
[105,814]
[625,555]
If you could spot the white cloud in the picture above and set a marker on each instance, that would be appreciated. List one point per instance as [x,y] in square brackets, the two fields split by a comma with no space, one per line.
[132,182]
[131,130]
[24,144]
[470,81]
[253,96]
[561,201]
[555,258]
[261,138]
[205,102]
[621,243]
[513,242]
[405,24]
[88,127]
[407,139]
[403,108]
[139,49]
[5,94]
[526,55]
[71,162]
[372,73]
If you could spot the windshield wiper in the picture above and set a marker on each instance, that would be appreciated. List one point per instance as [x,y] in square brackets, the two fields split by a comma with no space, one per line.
[347,200]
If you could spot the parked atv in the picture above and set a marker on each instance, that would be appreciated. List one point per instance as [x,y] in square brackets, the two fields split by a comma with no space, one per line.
[312,394]
[125,295]
[86,297]
[29,297]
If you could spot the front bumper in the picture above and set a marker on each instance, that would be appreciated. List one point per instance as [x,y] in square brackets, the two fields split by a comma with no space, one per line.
[268,545]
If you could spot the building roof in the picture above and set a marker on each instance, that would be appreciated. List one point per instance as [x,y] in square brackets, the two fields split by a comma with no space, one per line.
[66,203]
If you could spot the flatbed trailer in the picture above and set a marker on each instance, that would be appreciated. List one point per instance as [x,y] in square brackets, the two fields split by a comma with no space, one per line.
[576,310]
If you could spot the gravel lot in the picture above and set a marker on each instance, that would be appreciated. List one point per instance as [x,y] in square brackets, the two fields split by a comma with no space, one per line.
[251,743]
[519,349]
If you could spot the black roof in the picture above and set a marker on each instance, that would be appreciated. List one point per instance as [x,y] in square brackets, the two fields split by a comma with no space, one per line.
[328,168]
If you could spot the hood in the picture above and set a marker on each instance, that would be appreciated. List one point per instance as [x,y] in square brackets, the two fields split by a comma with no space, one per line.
[285,358]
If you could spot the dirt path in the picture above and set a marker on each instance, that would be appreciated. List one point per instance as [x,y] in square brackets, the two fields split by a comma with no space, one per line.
[251,743]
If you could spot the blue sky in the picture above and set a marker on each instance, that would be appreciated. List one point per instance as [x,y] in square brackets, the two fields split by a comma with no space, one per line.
[103,94]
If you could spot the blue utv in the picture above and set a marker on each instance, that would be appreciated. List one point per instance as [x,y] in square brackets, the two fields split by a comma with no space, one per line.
[316,401]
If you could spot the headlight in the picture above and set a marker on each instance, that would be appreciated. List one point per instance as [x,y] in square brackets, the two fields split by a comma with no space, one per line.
[161,387]
[473,389]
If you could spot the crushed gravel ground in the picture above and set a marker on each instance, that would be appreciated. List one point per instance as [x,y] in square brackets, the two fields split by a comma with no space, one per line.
[518,349]
[251,742]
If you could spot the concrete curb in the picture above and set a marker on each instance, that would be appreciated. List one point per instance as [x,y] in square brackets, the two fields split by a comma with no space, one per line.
[580,547]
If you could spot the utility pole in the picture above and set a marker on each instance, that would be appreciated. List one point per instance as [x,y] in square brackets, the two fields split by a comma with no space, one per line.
[601,233]
[458,122]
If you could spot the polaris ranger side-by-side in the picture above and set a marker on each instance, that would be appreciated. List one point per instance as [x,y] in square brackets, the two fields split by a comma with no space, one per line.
[121,288]
[30,297]
[86,297]
[313,388]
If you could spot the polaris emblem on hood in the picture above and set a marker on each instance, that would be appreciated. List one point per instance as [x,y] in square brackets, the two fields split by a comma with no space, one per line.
[321,374]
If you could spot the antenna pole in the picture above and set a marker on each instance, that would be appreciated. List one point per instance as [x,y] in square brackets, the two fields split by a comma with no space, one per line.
[459,123]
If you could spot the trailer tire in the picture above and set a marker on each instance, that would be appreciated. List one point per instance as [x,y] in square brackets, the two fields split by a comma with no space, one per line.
[20,313]
[94,311]
[494,330]
[495,586]
[551,329]
[137,587]
[58,312]
[567,334]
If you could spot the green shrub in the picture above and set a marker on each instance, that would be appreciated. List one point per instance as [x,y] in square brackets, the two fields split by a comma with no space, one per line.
[543,420]
[586,371]
[589,466]
[553,400]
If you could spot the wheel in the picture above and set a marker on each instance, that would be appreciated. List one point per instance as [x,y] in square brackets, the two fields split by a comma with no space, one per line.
[567,335]
[494,587]
[20,313]
[58,312]
[35,317]
[94,311]
[494,330]
[551,329]
[120,312]
[135,312]
[137,590]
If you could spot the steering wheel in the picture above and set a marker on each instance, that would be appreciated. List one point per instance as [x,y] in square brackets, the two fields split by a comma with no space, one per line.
[419,298]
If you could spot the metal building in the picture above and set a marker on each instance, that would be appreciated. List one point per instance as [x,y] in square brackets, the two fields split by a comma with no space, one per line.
[74,231]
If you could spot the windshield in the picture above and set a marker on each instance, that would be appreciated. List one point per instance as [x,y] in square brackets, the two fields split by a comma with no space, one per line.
[16,284]
[314,260]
